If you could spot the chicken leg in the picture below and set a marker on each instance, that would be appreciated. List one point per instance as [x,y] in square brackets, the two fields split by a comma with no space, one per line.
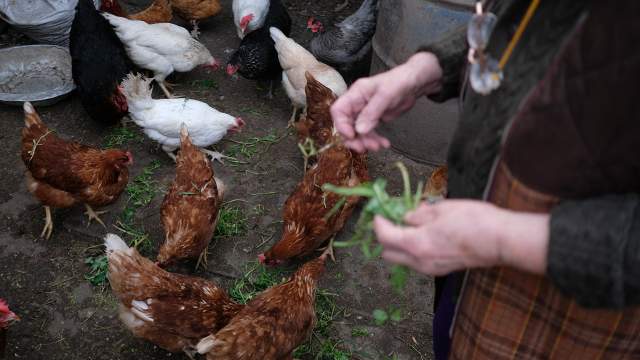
[164,86]
[195,33]
[169,151]
[214,155]
[48,223]
[293,117]
[328,250]
[202,260]
[93,215]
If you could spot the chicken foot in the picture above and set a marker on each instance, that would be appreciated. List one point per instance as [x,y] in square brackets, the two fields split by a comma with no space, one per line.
[93,215]
[190,352]
[48,223]
[194,33]
[214,155]
[328,250]
[202,259]
[293,117]
[164,86]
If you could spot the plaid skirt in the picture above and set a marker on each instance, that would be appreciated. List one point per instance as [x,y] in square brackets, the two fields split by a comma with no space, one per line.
[508,314]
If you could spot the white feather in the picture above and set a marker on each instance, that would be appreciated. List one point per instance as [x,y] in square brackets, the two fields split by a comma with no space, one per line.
[162,48]
[113,242]
[295,61]
[206,344]
[259,9]
[162,119]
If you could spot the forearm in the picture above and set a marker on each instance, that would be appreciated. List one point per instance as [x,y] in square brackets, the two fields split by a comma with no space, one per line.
[523,240]
[426,73]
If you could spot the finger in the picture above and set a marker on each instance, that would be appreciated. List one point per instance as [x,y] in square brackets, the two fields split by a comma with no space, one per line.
[393,236]
[370,115]
[383,141]
[370,142]
[423,214]
[400,257]
[345,110]
[355,145]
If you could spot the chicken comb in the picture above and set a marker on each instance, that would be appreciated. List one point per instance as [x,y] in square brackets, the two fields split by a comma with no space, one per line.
[4,308]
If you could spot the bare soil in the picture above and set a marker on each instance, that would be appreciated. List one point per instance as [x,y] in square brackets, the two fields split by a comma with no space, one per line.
[65,317]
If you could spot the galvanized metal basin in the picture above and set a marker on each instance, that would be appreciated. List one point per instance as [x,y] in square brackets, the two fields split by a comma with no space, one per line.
[40,74]
[423,134]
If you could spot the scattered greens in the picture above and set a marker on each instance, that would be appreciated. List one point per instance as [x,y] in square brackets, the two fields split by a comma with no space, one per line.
[98,267]
[393,209]
[231,222]
[141,191]
[120,135]
[258,278]
[205,83]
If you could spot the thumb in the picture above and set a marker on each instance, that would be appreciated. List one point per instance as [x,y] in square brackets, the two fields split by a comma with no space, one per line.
[370,115]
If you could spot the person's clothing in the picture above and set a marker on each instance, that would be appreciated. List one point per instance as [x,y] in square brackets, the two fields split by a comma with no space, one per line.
[506,313]
[568,90]
[566,124]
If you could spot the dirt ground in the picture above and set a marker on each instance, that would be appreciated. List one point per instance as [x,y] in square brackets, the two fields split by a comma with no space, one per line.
[65,317]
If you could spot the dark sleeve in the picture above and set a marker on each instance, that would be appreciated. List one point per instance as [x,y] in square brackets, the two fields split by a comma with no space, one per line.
[594,250]
[451,50]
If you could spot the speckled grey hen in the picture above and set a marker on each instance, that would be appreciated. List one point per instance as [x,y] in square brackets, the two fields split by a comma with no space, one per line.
[347,42]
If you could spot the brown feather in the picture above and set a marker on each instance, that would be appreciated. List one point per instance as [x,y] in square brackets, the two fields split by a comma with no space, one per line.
[183,308]
[305,214]
[59,170]
[274,323]
[196,9]
[190,207]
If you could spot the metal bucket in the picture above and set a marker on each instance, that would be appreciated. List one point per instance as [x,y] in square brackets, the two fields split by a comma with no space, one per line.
[422,134]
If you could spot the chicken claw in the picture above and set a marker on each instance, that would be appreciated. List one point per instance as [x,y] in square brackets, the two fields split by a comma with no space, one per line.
[293,117]
[93,215]
[164,86]
[190,352]
[328,250]
[48,224]
[194,33]
[202,260]
[215,155]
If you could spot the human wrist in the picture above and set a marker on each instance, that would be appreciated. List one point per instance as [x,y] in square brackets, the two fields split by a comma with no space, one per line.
[522,240]
[427,73]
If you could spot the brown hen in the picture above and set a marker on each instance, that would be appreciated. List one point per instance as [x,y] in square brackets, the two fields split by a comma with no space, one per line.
[273,324]
[158,12]
[61,173]
[436,188]
[190,208]
[309,214]
[170,310]
[317,125]
[196,10]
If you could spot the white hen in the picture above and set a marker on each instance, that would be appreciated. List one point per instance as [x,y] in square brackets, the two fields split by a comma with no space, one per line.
[162,119]
[162,48]
[295,61]
[249,15]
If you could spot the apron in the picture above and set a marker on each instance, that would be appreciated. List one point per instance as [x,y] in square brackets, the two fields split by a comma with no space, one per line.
[508,314]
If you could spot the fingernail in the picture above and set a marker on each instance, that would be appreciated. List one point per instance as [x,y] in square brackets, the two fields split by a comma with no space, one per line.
[362,128]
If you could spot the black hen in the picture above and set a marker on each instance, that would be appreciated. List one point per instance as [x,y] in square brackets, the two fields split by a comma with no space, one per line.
[256,57]
[99,63]
[346,45]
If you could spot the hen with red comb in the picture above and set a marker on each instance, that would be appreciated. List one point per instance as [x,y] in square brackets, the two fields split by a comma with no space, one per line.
[7,317]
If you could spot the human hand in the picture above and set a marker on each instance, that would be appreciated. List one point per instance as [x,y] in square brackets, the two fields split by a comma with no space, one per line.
[383,97]
[461,234]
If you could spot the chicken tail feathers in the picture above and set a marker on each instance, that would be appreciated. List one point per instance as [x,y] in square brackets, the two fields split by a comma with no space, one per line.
[276,34]
[136,88]
[31,117]
[113,242]
[206,344]
[184,135]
